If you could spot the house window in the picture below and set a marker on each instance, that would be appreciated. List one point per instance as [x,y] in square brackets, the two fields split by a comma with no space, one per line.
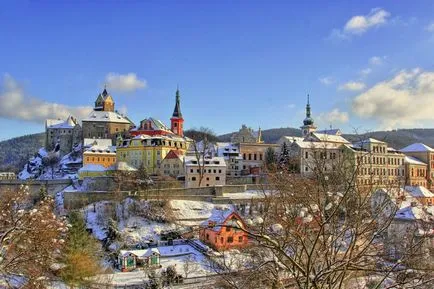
[217,178]
[207,236]
[306,155]
[230,239]
[228,229]
[220,171]
[193,178]
[207,178]
[240,239]
[250,157]
[222,240]
[191,170]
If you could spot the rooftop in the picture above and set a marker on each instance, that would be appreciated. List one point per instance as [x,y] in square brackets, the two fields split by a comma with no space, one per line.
[417,147]
[106,116]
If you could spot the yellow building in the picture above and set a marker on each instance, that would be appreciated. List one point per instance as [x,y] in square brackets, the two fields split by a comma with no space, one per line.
[149,151]
[99,152]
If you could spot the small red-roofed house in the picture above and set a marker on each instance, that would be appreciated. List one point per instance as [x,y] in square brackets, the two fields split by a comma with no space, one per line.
[173,164]
[222,231]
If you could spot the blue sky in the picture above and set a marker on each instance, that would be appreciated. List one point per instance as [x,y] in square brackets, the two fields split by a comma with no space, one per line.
[366,65]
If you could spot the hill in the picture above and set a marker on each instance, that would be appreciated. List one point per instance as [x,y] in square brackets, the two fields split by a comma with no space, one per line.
[15,152]
[395,138]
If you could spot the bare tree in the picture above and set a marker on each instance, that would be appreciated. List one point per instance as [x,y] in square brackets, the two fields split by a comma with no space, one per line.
[202,150]
[190,265]
[31,238]
[322,231]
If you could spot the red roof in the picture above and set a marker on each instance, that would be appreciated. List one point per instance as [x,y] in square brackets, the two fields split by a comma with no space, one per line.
[173,154]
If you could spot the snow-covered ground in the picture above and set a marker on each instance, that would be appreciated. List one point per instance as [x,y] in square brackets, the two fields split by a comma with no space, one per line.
[190,213]
[249,194]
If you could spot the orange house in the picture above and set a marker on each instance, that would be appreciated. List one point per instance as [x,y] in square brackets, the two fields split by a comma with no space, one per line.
[221,231]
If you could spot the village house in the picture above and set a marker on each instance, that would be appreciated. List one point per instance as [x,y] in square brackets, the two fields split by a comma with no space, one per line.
[213,172]
[173,164]
[222,230]
[231,154]
[129,260]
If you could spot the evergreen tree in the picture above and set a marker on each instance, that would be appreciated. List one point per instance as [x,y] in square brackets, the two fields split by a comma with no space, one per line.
[82,254]
[270,157]
[284,155]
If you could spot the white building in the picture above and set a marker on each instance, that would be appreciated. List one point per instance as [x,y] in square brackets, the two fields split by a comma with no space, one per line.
[206,171]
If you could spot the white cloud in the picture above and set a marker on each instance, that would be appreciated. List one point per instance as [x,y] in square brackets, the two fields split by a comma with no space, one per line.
[291,106]
[326,80]
[430,27]
[16,104]
[377,60]
[334,116]
[404,101]
[124,82]
[359,24]
[352,86]
[366,71]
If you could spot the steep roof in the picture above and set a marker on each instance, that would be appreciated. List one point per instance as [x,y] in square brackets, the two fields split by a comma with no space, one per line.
[70,122]
[140,253]
[97,141]
[328,137]
[177,109]
[106,116]
[413,161]
[335,131]
[155,124]
[419,192]
[417,147]
[220,216]
[173,154]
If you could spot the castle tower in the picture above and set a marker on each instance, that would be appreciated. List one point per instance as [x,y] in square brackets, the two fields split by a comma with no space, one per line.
[177,122]
[104,102]
[308,124]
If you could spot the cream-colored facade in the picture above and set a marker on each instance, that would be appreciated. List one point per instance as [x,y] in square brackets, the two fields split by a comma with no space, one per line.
[150,151]
[415,172]
[253,155]
[375,163]
[214,172]
[424,154]
[172,165]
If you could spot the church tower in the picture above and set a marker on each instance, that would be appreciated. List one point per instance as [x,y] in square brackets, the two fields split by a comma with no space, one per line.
[308,124]
[104,102]
[177,122]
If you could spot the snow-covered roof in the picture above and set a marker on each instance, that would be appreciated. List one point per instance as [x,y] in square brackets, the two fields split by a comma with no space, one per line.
[154,124]
[328,137]
[106,116]
[335,131]
[419,192]
[218,217]
[417,147]
[123,166]
[413,161]
[290,139]
[104,142]
[412,213]
[92,168]
[209,162]
[226,148]
[317,145]
[70,122]
[163,137]
[96,149]
[366,141]
[140,253]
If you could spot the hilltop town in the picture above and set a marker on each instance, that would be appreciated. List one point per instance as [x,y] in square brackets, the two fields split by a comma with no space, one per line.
[167,209]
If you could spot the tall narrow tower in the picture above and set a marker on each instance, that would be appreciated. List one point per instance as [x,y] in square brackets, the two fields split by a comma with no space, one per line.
[308,124]
[177,122]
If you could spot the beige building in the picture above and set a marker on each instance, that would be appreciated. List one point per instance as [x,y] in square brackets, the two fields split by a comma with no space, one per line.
[376,163]
[425,154]
[415,172]
[104,121]
[173,164]
[99,152]
[214,172]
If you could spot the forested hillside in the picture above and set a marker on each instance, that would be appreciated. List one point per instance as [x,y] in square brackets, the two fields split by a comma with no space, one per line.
[15,152]
[395,138]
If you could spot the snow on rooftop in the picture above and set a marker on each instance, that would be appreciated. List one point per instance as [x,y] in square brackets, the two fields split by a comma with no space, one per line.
[413,161]
[106,116]
[209,162]
[419,192]
[105,142]
[328,138]
[417,147]
[410,213]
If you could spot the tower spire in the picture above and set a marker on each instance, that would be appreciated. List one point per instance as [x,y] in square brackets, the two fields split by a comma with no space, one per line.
[177,110]
[308,107]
